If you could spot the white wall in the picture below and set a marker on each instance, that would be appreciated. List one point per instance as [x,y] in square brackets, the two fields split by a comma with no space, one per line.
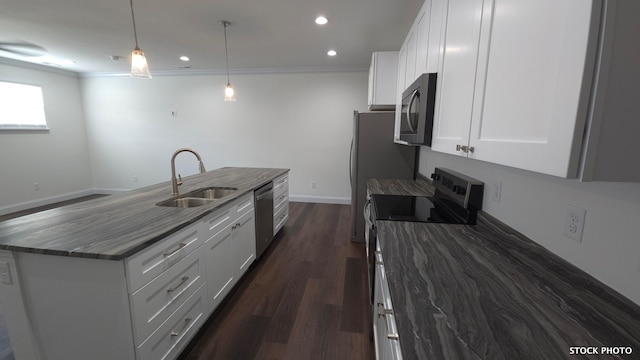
[57,160]
[536,205]
[297,121]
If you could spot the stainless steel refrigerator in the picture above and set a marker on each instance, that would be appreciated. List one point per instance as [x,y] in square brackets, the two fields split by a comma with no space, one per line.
[375,155]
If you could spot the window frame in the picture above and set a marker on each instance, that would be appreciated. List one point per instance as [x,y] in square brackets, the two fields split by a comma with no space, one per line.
[28,127]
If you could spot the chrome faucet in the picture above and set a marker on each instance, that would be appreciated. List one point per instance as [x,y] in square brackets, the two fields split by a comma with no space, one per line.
[175,182]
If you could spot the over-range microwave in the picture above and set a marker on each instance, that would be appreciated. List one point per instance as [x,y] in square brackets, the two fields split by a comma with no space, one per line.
[418,103]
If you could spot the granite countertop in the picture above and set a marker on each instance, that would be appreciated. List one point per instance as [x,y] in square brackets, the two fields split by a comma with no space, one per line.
[117,226]
[486,291]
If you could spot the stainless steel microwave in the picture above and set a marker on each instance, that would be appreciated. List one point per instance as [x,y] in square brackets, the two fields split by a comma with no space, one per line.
[418,103]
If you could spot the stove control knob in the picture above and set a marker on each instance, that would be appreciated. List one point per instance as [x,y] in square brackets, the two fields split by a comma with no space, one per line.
[459,190]
[435,177]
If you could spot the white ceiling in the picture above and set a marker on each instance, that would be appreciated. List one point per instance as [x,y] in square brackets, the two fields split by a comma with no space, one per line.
[267,34]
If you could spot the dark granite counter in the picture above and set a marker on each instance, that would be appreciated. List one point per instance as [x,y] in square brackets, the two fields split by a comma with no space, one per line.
[487,292]
[117,226]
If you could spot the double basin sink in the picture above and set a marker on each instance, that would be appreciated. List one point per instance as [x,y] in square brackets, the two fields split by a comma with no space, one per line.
[198,197]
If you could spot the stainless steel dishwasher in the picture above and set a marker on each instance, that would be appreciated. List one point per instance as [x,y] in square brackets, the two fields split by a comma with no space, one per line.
[264,217]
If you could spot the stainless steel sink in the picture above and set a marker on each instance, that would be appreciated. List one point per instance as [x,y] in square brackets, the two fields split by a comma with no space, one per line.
[185,202]
[212,192]
[198,197]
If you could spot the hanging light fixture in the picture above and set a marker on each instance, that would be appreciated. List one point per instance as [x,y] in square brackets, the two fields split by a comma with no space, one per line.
[139,67]
[229,94]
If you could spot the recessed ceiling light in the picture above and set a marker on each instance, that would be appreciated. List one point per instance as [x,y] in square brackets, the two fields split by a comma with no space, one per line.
[321,20]
[184,58]
[332,53]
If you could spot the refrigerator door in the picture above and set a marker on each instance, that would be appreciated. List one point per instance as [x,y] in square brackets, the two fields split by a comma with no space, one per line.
[375,155]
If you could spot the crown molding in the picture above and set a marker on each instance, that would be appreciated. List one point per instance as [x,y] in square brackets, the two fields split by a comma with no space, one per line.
[39,67]
[252,71]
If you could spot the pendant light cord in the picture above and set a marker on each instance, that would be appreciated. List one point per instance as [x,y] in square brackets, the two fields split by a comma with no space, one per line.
[226,51]
[135,33]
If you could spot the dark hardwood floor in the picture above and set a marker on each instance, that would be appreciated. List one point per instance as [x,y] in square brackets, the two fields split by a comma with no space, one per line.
[306,298]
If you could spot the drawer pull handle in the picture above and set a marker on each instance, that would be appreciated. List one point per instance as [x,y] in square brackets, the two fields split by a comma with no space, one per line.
[182,281]
[186,322]
[393,336]
[180,246]
[465,149]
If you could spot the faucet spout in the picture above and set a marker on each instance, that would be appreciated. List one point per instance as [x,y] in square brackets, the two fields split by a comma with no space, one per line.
[174,180]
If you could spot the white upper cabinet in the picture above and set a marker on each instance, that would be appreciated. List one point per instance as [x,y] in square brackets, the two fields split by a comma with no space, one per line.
[419,52]
[383,75]
[533,83]
[456,74]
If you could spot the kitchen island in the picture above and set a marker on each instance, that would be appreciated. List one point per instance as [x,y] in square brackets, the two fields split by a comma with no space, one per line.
[485,291]
[122,278]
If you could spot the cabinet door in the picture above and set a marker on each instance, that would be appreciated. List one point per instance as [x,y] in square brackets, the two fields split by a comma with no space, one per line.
[533,83]
[412,49]
[422,27]
[220,266]
[244,243]
[402,66]
[457,74]
[435,31]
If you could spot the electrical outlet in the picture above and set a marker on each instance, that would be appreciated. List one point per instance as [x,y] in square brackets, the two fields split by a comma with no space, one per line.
[174,113]
[135,178]
[36,186]
[5,274]
[313,184]
[496,190]
[574,222]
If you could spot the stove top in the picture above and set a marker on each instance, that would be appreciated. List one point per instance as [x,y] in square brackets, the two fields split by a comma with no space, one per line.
[409,208]
[456,200]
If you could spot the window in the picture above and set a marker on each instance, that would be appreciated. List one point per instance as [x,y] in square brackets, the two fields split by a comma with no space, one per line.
[21,107]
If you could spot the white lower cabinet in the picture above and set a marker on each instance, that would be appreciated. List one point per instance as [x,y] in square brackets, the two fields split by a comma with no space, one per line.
[230,247]
[280,202]
[219,266]
[243,250]
[385,333]
[172,336]
[152,304]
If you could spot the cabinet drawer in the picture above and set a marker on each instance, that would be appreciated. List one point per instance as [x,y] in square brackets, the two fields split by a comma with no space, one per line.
[218,221]
[280,201]
[280,218]
[175,333]
[244,204]
[280,182]
[151,262]
[152,304]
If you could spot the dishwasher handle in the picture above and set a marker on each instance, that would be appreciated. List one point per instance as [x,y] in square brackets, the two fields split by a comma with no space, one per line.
[264,192]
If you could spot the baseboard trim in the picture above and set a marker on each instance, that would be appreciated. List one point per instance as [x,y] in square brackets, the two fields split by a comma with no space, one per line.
[320,199]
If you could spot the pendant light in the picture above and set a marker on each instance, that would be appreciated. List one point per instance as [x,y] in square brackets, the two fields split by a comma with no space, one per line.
[139,67]
[229,94]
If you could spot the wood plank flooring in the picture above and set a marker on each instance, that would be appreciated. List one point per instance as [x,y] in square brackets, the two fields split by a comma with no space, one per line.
[306,298]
